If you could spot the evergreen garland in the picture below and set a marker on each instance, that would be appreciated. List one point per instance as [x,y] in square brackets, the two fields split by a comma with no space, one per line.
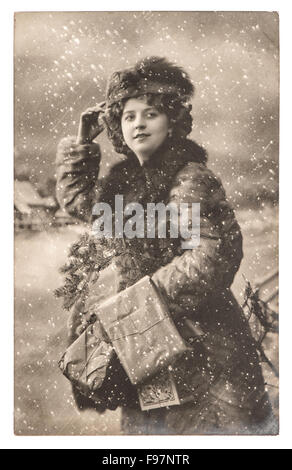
[135,258]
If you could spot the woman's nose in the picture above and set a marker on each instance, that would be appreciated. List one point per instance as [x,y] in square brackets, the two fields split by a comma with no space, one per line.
[139,122]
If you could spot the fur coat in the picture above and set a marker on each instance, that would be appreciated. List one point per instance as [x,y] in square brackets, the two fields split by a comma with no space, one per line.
[196,282]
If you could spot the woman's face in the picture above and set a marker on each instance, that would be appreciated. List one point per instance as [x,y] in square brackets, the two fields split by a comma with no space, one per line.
[144,128]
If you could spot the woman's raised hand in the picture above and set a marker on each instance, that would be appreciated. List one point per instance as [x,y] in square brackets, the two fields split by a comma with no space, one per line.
[91,124]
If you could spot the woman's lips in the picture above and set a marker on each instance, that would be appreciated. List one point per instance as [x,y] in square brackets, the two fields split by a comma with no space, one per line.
[141,136]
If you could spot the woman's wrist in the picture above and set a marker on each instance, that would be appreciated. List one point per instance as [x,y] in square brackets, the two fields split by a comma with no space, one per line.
[83,140]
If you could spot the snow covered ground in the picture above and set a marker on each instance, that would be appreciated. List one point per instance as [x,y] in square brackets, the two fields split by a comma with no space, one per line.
[43,401]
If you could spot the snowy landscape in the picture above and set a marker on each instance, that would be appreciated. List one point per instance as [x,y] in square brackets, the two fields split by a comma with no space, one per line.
[62,61]
[43,400]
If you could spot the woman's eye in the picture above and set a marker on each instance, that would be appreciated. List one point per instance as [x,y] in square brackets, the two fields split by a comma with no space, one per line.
[152,114]
[129,117]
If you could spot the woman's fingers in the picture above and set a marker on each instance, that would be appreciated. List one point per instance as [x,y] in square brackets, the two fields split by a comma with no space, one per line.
[101,104]
[99,108]
[91,123]
[90,112]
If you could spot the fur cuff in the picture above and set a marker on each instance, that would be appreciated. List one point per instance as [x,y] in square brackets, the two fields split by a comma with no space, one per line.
[68,150]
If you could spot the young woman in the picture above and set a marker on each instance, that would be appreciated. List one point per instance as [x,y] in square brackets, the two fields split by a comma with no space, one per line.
[147,118]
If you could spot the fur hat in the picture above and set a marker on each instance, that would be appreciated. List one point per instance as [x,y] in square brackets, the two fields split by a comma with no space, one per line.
[150,75]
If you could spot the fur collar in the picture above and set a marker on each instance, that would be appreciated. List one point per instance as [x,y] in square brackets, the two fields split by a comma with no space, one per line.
[159,171]
[133,257]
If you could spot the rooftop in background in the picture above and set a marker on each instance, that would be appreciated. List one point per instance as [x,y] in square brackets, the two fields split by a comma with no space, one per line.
[26,198]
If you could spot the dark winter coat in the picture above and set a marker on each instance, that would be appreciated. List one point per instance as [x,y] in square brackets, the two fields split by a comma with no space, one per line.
[196,282]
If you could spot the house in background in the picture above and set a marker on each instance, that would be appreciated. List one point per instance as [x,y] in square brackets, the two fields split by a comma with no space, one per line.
[33,212]
[62,218]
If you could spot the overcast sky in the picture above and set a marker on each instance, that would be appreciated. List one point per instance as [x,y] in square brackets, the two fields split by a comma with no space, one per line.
[62,61]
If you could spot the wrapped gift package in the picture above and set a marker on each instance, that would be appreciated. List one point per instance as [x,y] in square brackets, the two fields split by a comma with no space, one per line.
[141,330]
[85,362]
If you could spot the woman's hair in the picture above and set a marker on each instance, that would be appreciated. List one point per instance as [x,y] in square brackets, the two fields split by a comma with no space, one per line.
[177,111]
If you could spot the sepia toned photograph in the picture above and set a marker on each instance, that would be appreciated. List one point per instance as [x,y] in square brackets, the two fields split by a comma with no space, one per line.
[146,195]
